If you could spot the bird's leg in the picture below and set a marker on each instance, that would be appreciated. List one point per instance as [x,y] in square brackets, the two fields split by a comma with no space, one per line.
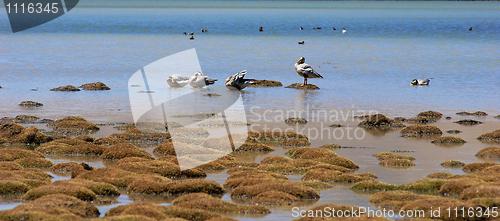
[306,81]
[302,85]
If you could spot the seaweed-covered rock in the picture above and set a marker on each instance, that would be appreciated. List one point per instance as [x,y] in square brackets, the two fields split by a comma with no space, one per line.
[79,192]
[273,197]
[66,167]
[52,207]
[288,138]
[204,201]
[379,121]
[266,83]
[477,113]
[430,114]
[65,88]
[394,199]
[424,185]
[397,163]
[15,154]
[73,125]
[481,191]
[420,130]
[160,167]
[440,175]
[457,186]
[175,187]
[473,167]
[16,133]
[302,86]
[295,120]
[23,119]
[115,176]
[29,176]
[420,120]
[12,187]
[99,188]
[98,86]
[327,175]
[468,122]
[331,146]
[34,162]
[373,185]
[453,131]
[489,152]
[391,156]
[292,188]
[429,204]
[452,164]
[449,140]
[71,147]
[30,104]
[493,136]
[122,150]
[134,135]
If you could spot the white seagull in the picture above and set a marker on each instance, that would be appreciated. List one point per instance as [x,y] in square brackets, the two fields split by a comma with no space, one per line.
[305,71]
[177,80]
[237,81]
[199,81]
[344,31]
[416,82]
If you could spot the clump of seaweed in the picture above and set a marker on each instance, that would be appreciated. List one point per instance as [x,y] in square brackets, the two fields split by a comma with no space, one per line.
[30,104]
[379,121]
[481,191]
[489,152]
[468,122]
[420,130]
[266,83]
[430,114]
[452,164]
[66,167]
[288,138]
[159,167]
[457,186]
[17,133]
[204,201]
[79,192]
[397,163]
[73,125]
[122,150]
[391,156]
[71,147]
[453,131]
[493,136]
[296,120]
[394,199]
[420,120]
[34,162]
[424,185]
[65,88]
[439,175]
[274,198]
[477,113]
[473,167]
[175,187]
[373,185]
[98,86]
[331,146]
[15,154]
[448,140]
[302,86]
[115,176]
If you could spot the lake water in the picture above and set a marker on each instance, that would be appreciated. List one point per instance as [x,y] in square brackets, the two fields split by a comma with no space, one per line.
[387,44]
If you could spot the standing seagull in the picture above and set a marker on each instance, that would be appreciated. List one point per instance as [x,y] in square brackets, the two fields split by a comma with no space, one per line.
[237,81]
[305,71]
[177,80]
[344,31]
[199,81]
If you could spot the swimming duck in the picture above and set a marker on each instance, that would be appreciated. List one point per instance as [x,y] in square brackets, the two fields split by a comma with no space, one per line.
[301,42]
[261,29]
[177,80]
[203,30]
[191,38]
[191,33]
[344,31]
[334,28]
[199,81]
[470,29]
[305,71]
[237,81]
[301,28]
[185,33]
[317,28]
[416,82]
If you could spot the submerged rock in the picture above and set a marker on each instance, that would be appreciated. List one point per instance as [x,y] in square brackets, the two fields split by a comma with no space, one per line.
[65,88]
[296,120]
[420,130]
[30,104]
[489,152]
[98,86]
[266,83]
[301,86]
[468,122]
[477,113]
[73,125]
[449,140]
[493,136]
[379,121]
[430,114]
[452,164]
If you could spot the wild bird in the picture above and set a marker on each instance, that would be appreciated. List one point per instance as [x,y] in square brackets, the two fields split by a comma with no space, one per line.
[238,81]
[185,33]
[261,28]
[204,30]
[34,89]
[199,81]
[177,80]
[317,28]
[416,82]
[191,38]
[344,31]
[301,42]
[191,33]
[305,71]
[470,29]
[301,28]
[334,28]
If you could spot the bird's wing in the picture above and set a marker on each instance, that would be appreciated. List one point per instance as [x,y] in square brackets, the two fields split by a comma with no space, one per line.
[307,70]
[235,79]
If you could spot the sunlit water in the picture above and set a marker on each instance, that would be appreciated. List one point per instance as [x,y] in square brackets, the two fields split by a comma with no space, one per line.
[370,68]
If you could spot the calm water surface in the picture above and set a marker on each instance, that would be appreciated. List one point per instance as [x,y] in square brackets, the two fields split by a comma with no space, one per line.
[370,68]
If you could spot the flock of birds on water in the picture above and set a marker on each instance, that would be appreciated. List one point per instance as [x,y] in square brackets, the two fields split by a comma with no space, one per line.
[239,82]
